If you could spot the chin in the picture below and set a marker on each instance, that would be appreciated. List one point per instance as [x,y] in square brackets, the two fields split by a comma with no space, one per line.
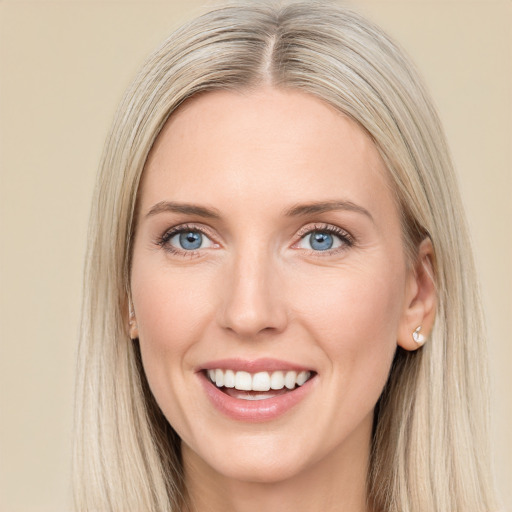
[251,460]
[261,472]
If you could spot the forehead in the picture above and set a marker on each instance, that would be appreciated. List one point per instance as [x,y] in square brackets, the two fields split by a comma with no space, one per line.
[249,145]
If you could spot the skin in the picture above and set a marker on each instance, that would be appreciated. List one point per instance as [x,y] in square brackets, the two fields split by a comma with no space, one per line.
[257,289]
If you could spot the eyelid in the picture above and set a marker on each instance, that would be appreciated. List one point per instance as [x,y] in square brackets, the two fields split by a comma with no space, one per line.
[163,240]
[323,226]
[347,239]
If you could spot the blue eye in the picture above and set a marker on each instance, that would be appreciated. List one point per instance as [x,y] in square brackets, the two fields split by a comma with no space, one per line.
[324,239]
[189,240]
[321,241]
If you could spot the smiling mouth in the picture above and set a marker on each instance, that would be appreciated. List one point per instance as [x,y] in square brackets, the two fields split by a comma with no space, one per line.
[257,386]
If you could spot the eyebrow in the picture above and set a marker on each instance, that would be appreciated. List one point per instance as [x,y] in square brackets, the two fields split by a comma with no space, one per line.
[326,206]
[295,211]
[186,208]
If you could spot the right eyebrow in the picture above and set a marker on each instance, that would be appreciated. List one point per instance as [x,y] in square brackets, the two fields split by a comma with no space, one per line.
[186,208]
[327,206]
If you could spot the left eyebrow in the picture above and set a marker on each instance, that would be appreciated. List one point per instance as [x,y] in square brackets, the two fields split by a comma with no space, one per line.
[186,208]
[326,206]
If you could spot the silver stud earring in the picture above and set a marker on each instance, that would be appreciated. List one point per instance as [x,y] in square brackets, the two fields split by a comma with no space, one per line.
[418,337]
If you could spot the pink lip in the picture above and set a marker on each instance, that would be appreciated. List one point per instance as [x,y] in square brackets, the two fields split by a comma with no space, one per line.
[254,411]
[258,365]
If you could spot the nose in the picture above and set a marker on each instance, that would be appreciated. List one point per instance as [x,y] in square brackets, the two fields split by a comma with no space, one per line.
[253,301]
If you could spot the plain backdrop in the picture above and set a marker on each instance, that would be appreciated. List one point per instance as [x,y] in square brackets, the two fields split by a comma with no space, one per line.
[63,68]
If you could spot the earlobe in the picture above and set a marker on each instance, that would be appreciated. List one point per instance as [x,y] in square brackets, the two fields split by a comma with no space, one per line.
[132,322]
[420,301]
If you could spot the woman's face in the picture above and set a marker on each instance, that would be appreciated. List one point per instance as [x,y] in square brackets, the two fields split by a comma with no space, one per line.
[268,253]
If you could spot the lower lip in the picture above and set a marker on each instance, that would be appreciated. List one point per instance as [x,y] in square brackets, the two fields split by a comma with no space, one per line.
[254,410]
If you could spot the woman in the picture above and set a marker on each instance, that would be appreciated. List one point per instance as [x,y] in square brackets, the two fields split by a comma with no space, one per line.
[281,307]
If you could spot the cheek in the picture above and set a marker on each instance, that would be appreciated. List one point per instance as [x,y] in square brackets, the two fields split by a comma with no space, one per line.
[170,306]
[355,303]
[355,322]
[171,309]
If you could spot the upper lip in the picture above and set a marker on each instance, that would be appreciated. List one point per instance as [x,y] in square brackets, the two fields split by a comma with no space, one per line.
[253,366]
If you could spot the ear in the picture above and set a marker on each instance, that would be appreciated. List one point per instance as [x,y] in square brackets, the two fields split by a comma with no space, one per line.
[132,321]
[420,300]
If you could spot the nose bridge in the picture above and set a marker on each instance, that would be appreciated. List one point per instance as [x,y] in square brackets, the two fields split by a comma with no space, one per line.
[253,299]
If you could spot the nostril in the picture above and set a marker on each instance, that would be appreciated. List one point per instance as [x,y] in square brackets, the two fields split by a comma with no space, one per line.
[253,303]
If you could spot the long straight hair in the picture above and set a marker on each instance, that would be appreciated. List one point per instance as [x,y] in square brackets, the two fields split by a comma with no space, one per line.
[430,447]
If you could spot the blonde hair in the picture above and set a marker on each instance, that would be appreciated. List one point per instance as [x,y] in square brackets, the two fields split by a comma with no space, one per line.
[430,448]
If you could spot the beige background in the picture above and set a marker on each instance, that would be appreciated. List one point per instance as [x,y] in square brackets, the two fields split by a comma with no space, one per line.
[63,67]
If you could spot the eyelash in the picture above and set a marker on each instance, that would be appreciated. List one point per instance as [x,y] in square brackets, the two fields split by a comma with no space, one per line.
[164,240]
[346,238]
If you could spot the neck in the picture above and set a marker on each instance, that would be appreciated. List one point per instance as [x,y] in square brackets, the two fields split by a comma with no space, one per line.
[334,483]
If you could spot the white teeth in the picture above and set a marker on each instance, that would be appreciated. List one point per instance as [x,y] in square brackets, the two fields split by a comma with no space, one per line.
[302,377]
[219,378]
[255,397]
[261,381]
[289,379]
[243,381]
[277,380]
[229,379]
